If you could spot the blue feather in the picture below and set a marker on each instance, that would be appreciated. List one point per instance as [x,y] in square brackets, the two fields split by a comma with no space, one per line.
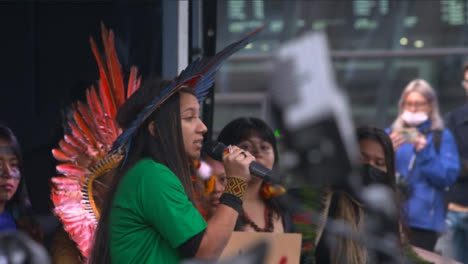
[206,68]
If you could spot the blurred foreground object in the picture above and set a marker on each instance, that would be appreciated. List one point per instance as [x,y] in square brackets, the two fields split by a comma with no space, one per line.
[281,246]
[313,114]
[254,255]
[17,248]
[321,150]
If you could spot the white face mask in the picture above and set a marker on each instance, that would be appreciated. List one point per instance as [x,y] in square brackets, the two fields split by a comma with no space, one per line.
[414,118]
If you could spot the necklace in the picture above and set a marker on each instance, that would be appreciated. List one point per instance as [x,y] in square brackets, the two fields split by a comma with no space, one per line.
[268,221]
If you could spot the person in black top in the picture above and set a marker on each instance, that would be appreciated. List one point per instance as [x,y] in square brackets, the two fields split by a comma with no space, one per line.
[378,167]
[260,213]
[457,215]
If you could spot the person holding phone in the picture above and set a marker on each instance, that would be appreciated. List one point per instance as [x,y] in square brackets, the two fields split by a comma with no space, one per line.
[426,159]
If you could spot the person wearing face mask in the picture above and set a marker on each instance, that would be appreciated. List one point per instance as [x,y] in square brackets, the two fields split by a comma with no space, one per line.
[377,167]
[426,159]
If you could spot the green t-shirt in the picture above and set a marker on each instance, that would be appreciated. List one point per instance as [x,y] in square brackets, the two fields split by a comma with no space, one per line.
[151,216]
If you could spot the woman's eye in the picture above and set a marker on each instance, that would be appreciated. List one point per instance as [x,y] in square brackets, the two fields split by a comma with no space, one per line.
[223,180]
[244,147]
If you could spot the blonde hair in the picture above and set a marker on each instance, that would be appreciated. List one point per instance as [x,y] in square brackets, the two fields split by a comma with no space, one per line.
[347,250]
[352,212]
[344,250]
[425,89]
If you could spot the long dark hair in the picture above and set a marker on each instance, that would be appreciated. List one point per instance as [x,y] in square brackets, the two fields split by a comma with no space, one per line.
[377,134]
[241,129]
[369,132]
[345,207]
[166,147]
[19,205]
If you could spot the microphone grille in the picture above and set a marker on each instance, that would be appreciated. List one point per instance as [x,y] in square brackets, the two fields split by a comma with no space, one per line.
[214,149]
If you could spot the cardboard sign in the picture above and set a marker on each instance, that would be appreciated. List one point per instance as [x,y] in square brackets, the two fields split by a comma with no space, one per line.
[283,248]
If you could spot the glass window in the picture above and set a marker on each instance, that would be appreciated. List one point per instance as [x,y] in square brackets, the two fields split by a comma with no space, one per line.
[377,47]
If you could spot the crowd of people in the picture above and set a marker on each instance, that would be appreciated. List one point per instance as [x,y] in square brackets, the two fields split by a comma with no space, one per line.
[154,214]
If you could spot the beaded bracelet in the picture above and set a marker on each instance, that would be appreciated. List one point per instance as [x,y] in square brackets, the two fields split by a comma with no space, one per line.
[236,187]
[233,193]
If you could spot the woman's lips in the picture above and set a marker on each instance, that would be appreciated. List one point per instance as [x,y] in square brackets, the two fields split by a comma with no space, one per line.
[198,142]
[214,200]
[7,187]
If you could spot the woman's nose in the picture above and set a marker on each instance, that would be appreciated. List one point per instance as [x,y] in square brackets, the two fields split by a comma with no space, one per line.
[202,128]
[219,187]
[412,108]
[5,171]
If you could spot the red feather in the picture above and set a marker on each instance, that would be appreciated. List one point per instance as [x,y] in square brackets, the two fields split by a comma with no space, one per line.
[91,151]
[60,156]
[192,82]
[77,133]
[71,170]
[113,66]
[68,149]
[90,121]
[98,114]
[84,128]
[75,142]
[102,125]
[104,90]
[94,104]
[133,82]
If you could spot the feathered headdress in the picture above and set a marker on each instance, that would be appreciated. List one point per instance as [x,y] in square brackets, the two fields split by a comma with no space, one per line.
[199,76]
[77,194]
[96,142]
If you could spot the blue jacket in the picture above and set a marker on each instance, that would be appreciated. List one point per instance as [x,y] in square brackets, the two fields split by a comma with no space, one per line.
[432,172]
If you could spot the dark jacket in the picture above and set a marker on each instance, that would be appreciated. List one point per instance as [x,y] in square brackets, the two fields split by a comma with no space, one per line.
[457,122]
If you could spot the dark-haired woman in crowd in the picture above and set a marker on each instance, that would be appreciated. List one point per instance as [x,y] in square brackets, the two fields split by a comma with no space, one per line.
[260,213]
[15,208]
[149,215]
[377,158]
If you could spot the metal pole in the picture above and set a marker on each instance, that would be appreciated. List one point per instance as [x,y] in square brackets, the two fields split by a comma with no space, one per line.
[209,49]
[175,37]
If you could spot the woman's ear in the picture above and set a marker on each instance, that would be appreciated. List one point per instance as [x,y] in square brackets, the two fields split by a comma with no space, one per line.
[151,129]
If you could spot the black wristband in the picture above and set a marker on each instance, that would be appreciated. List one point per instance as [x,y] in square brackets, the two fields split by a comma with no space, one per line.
[232,201]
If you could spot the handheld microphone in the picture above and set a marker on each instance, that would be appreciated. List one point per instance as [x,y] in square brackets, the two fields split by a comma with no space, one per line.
[215,150]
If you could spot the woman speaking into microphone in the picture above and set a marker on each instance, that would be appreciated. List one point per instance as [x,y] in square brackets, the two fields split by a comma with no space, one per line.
[261,212]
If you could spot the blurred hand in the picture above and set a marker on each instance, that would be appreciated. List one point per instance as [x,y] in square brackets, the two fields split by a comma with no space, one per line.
[397,140]
[237,163]
[420,142]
